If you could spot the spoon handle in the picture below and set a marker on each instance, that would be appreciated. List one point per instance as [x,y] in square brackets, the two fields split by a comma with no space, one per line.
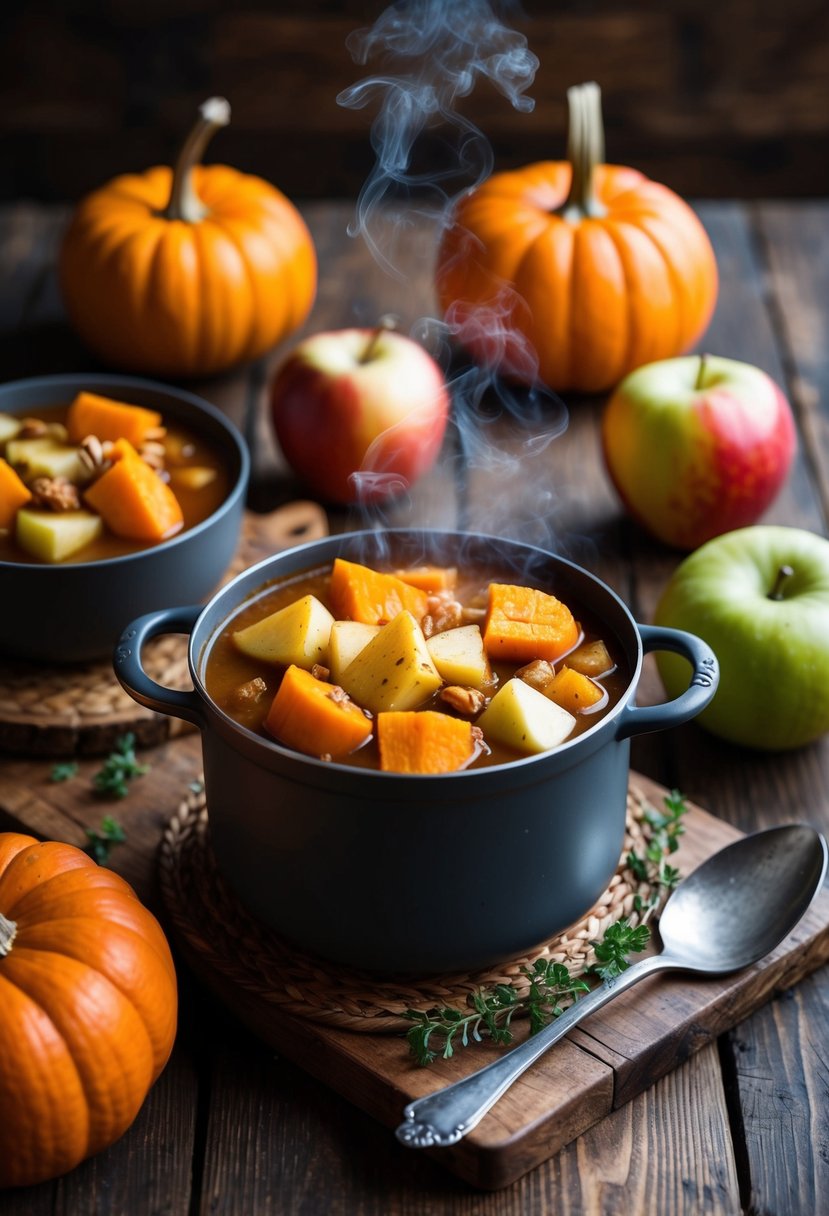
[444,1117]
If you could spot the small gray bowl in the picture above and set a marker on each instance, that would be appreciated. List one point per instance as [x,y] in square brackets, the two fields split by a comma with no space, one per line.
[75,612]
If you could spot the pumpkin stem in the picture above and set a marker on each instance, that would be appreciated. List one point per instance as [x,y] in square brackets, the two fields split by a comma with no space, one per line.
[184,203]
[585,150]
[8,929]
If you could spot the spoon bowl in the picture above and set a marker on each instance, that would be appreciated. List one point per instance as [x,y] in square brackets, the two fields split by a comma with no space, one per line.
[733,910]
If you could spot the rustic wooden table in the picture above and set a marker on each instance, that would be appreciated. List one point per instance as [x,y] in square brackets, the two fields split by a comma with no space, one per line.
[232,1128]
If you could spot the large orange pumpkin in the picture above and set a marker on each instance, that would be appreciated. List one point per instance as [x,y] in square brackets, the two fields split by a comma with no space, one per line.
[186,272]
[575,272]
[88,1007]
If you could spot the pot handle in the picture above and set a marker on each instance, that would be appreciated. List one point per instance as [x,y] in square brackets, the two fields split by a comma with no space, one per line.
[134,679]
[701,688]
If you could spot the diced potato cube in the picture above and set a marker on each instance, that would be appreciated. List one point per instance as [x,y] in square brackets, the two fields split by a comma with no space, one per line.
[575,692]
[193,477]
[591,659]
[347,639]
[297,634]
[395,670]
[53,536]
[524,719]
[460,658]
[9,426]
[45,457]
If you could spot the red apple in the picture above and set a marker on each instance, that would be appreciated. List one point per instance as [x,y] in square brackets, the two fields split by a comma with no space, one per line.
[697,446]
[360,414]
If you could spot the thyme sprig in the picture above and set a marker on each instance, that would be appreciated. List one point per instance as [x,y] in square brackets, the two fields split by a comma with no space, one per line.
[102,839]
[653,866]
[489,1011]
[120,767]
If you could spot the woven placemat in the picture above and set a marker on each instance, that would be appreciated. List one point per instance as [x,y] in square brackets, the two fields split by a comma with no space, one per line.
[81,709]
[223,939]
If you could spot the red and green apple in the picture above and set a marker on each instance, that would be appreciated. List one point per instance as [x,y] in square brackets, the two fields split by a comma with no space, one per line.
[697,446]
[360,414]
[759,596]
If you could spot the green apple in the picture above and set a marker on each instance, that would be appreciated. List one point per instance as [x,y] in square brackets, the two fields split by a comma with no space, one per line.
[759,596]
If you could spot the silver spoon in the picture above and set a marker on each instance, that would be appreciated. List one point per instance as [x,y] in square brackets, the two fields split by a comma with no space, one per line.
[729,913]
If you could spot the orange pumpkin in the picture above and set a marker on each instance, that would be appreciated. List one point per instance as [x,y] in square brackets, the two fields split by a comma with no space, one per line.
[88,1007]
[186,272]
[575,272]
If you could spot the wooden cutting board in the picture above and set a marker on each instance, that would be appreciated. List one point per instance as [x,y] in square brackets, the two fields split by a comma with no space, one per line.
[616,1054]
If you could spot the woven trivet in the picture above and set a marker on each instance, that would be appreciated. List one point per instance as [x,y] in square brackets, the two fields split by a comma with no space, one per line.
[223,939]
[82,709]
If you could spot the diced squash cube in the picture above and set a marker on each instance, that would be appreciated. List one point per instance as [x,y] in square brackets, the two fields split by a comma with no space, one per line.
[524,719]
[524,624]
[295,634]
[423,742]
[591,659]
[91,414]
[45,457]
[575,692]
[430,578]
[13,494]
[347,639]
[133,500]
[394,671]
[192,477]
[9,426]
[315,717]
[358,593]
[460,658]
[54,536]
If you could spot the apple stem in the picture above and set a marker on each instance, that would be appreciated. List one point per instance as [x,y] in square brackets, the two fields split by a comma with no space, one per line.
[386,323]
[703,361]
[783,576]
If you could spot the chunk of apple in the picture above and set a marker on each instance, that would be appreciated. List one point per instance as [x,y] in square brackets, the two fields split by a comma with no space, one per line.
[9,426]
[522,718]
[394,671]
[460,658]
[347,639]
[45,457]
[296,634]
[54,536]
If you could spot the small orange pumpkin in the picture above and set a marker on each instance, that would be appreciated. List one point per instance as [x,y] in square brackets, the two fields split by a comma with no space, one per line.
[88,1007]
[186,272]
[575,272]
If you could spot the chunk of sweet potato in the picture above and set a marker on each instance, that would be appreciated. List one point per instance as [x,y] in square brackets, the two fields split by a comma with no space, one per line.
[423,742]
[91,414]
[524,624]
[430,578]
[132,499]
[358,593]
[14,494]
[575,692]
[315,717]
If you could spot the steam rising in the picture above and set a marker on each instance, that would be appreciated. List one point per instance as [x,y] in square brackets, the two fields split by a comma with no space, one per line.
[431,54]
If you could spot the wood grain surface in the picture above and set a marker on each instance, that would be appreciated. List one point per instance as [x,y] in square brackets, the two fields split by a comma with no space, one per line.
[233,1126]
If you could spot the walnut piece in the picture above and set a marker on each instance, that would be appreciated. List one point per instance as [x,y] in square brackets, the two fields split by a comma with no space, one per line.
[467,701]
[55,493]
[443,612]
[153,453]
[94,455]
[32,428]
[249,693]
[319,672]
[338,695]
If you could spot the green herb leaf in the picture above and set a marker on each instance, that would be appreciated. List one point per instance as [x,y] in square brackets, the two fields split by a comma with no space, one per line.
[102,839]
[63,770]
[113,779]
[620,940]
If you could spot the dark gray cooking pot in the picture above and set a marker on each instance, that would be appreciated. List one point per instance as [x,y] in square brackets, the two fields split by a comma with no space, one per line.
[74,612]
[417,873]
